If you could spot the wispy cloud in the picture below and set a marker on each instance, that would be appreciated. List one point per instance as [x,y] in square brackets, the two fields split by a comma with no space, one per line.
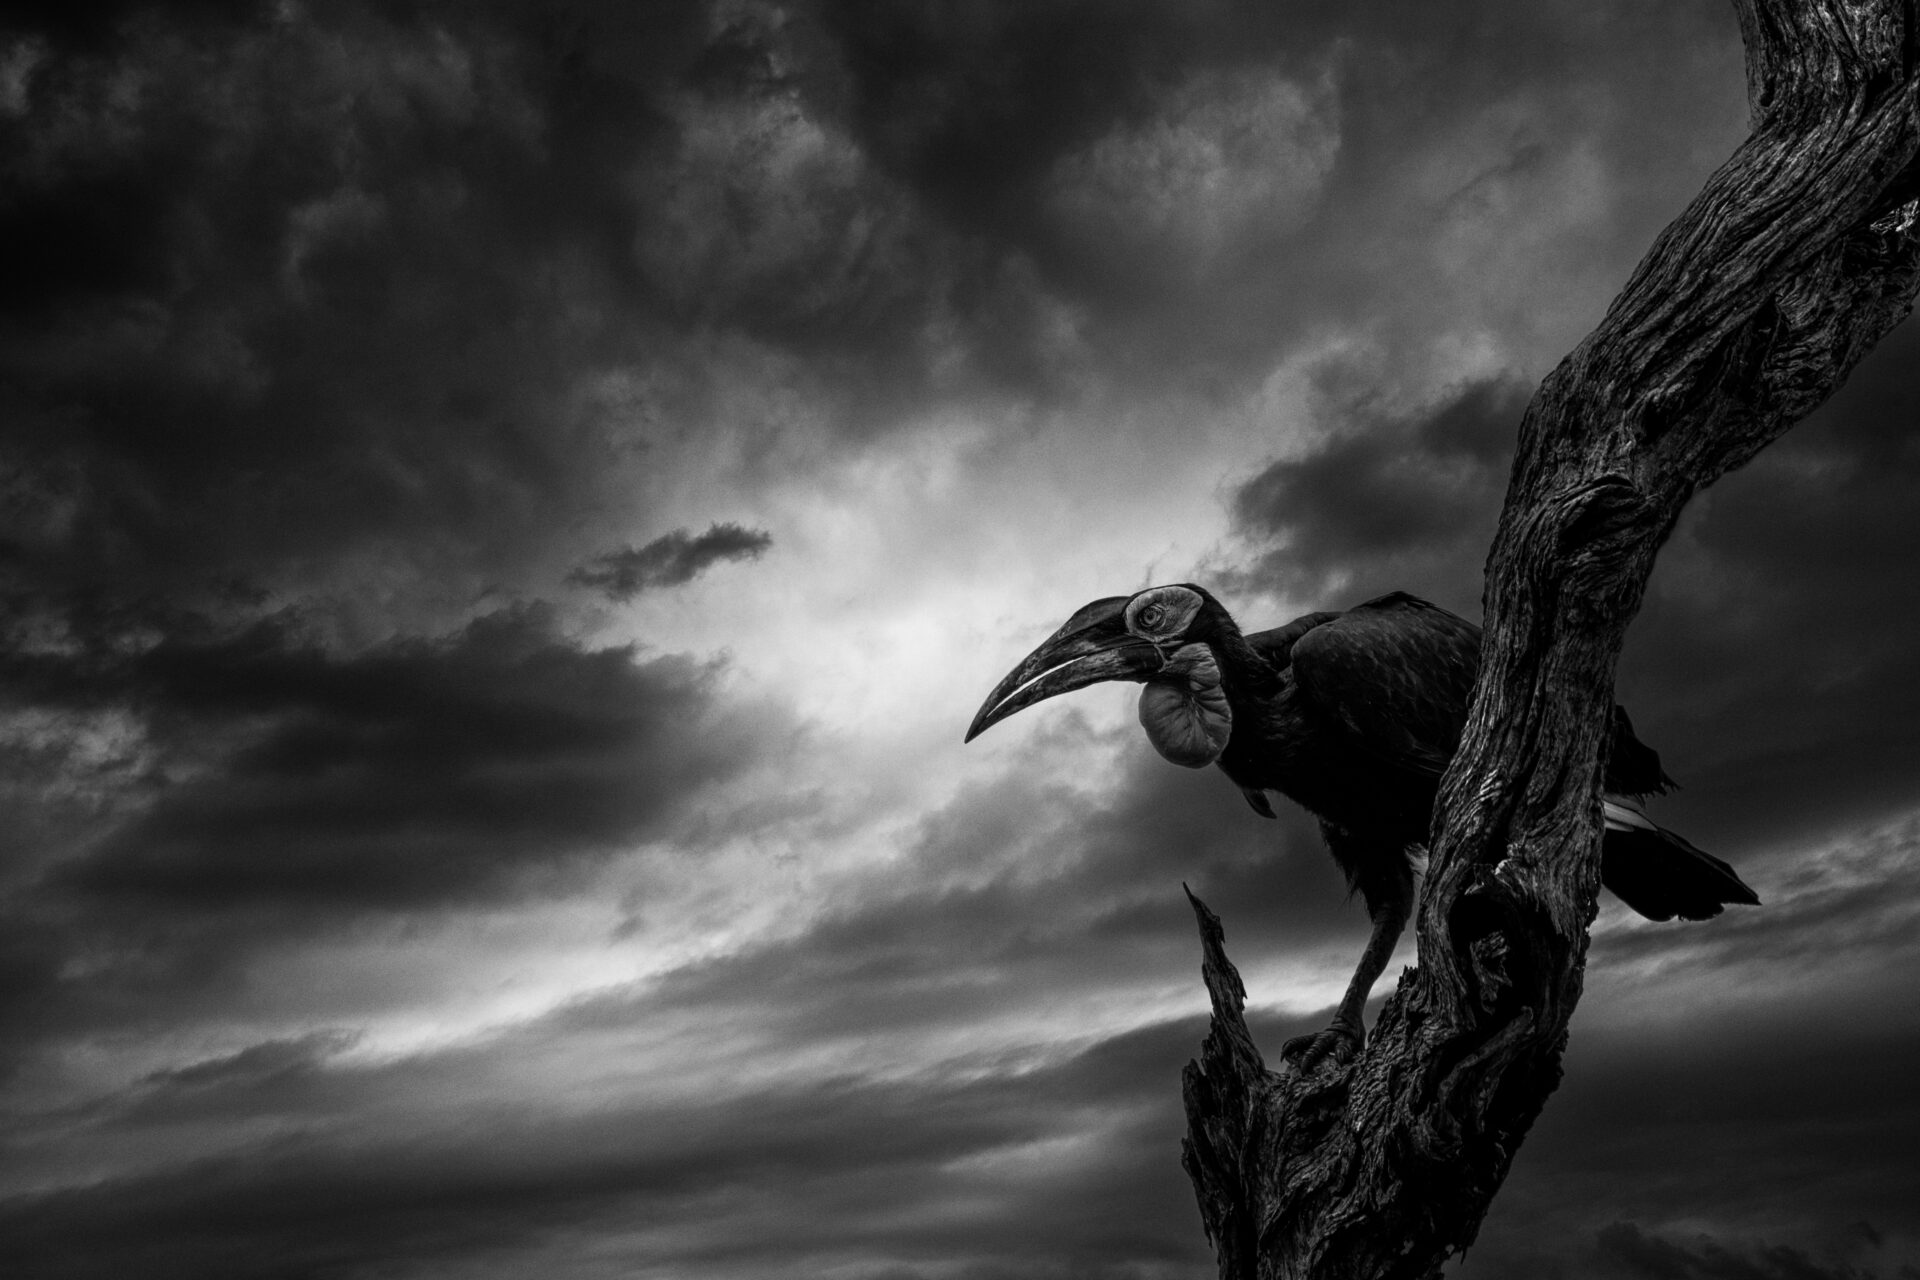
[670,560]
[1385,496]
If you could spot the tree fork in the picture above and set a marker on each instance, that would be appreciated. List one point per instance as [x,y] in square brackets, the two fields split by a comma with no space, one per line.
[1749,310]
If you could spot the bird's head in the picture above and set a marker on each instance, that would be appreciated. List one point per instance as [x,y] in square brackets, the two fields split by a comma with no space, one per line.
[1154,636]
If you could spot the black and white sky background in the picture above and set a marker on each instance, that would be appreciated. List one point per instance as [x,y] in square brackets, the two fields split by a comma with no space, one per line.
[507,508]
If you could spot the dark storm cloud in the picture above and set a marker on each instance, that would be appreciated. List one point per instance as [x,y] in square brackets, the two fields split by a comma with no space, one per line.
[670,560]
[329,282]
[993,1165]
[985,111]
[1623,1249]
[416,772]
[1773,658]
[298,287]
[1035,1161]
[1787,1127]
[1743,1079]
[1388,501]
[282,791]
[293,297]
[903,1173]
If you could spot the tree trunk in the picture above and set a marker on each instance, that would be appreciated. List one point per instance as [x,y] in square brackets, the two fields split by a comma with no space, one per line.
[1748,311]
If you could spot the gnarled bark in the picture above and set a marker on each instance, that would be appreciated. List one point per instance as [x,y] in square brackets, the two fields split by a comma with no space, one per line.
[1748,311]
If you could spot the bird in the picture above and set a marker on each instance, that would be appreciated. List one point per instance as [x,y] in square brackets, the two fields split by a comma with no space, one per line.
[1353,715]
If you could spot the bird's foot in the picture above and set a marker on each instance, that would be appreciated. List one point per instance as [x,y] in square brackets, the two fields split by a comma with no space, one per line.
[1339,1043]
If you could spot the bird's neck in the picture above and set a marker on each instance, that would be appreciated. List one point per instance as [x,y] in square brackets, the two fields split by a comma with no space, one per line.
[1244,672]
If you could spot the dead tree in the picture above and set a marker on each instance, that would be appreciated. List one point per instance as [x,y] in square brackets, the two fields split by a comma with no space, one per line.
[1749,310]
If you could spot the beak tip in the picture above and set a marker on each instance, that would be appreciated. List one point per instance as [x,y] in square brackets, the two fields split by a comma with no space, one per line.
[1062,664]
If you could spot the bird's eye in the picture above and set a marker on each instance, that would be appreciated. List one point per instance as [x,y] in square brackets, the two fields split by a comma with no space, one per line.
[1150,616]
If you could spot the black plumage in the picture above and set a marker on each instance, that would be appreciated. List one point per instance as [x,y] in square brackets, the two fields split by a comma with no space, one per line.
[1353,715]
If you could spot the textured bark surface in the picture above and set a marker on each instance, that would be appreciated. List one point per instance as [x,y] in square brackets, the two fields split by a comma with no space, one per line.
[1748,311]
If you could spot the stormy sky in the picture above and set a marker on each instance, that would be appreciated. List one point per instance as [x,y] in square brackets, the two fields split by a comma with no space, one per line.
[507,510]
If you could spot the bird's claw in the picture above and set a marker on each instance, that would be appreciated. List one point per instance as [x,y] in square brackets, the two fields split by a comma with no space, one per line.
[1338,1043]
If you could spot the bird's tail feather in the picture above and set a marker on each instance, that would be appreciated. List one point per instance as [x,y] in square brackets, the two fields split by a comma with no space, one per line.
[1659,873]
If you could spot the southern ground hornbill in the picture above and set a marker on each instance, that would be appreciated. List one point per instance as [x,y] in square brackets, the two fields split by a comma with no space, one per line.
[1354,716]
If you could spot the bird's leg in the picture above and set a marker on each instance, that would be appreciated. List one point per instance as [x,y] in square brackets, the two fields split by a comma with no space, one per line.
[1389,906]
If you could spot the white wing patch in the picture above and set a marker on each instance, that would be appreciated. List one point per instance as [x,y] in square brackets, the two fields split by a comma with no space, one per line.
[1625,815]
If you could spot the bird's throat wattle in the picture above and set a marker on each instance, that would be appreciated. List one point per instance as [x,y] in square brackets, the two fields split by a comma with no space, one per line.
[1185,710]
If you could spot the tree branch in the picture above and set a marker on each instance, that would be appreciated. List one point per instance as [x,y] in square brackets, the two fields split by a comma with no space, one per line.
[1750,309]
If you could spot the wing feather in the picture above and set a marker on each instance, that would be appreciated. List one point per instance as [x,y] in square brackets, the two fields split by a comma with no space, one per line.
[1395,674]
[1276,646]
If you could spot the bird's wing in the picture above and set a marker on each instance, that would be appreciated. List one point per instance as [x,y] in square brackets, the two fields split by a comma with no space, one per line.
[1276,646]
[1395,675]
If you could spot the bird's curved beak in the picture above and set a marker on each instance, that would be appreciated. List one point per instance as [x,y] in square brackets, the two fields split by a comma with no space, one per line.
[1092,646]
